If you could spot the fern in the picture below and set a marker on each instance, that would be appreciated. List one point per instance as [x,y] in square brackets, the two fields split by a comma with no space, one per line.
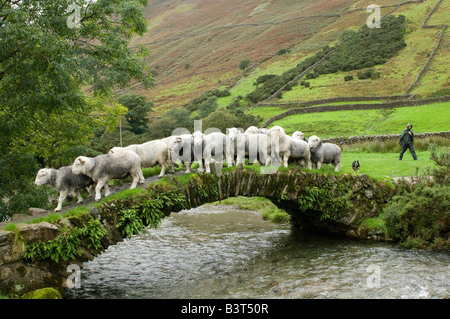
[66,246]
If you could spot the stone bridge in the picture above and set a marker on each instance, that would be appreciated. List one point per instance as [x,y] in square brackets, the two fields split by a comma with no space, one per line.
[34,256]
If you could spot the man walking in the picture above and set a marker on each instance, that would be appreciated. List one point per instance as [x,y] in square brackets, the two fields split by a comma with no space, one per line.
[407,141]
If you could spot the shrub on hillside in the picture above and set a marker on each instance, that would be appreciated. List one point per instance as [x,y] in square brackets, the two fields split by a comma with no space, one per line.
[244,64]
[263,78]
[368,74]
[366,47]
[283,51]
[224,118]
[194,104]
[355,50]
[207,107]
[267,89]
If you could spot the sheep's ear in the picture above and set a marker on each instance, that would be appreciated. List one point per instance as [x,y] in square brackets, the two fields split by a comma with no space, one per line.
[81,161]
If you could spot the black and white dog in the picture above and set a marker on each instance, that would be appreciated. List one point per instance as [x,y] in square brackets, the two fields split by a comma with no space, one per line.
[355,166]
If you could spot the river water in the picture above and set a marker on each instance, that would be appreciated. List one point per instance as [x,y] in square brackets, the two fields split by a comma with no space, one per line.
[221,252]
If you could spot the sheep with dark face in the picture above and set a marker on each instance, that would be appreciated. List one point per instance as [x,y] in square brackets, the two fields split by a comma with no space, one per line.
[324,153]
[64,181]
[103,168]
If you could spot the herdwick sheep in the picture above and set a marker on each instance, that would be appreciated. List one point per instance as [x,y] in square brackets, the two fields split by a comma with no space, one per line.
[64,181]
[251,130]
[214,147]
[300,153]
[103,168]
[287,148]
[324,153]
[151,153]
[231,146]
[181,148]
[197,149]
[255,146]
[299,135]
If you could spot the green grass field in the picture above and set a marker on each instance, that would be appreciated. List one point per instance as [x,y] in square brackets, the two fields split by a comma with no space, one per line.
[426,118]
[386,165]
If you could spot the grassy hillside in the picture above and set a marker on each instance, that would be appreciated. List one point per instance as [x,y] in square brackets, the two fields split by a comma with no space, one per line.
[197,45]
[427,118]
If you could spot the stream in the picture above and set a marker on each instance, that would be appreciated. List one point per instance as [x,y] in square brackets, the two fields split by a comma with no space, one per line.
[221,252]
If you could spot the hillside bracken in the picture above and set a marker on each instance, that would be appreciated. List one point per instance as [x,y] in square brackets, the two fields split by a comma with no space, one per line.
[355,50]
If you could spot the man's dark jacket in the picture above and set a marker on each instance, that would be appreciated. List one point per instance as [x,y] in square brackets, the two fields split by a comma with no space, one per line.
[405,138]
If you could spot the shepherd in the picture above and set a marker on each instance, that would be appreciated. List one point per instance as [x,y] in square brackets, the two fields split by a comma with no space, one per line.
[407,142]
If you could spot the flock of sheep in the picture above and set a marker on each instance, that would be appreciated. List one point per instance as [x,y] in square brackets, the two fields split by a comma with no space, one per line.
[267,146]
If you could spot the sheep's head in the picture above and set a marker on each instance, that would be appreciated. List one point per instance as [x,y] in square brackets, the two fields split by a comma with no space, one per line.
[197,138]
[276,131]
[42,177]
[233,133]
[114,150]
[79,166]
[299,135]
[251,130]
[314,142]
[174,143]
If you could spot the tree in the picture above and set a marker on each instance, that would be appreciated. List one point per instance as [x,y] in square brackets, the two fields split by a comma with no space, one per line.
[138,111]
[244,64]
[207,107]
[57,79]
[181,117]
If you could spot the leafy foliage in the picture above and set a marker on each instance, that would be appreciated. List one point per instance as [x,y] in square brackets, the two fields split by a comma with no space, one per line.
[138,111]
[65,247]
[244,64]
[45,68]
[419,216]
[366,47]
[147,209]
[329,199]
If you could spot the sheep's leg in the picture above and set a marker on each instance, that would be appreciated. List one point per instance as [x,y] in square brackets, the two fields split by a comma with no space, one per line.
[106,188]
[207,160]
[91,189]
[200,165]
[229,156]
[188,168]
[80,199]
[336,169]
[141,177]
[163,170]
[62,197]
[318,164]
[229,161]
[285,160]
[98,188]
[171,167]
[240,160]
[136,177]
